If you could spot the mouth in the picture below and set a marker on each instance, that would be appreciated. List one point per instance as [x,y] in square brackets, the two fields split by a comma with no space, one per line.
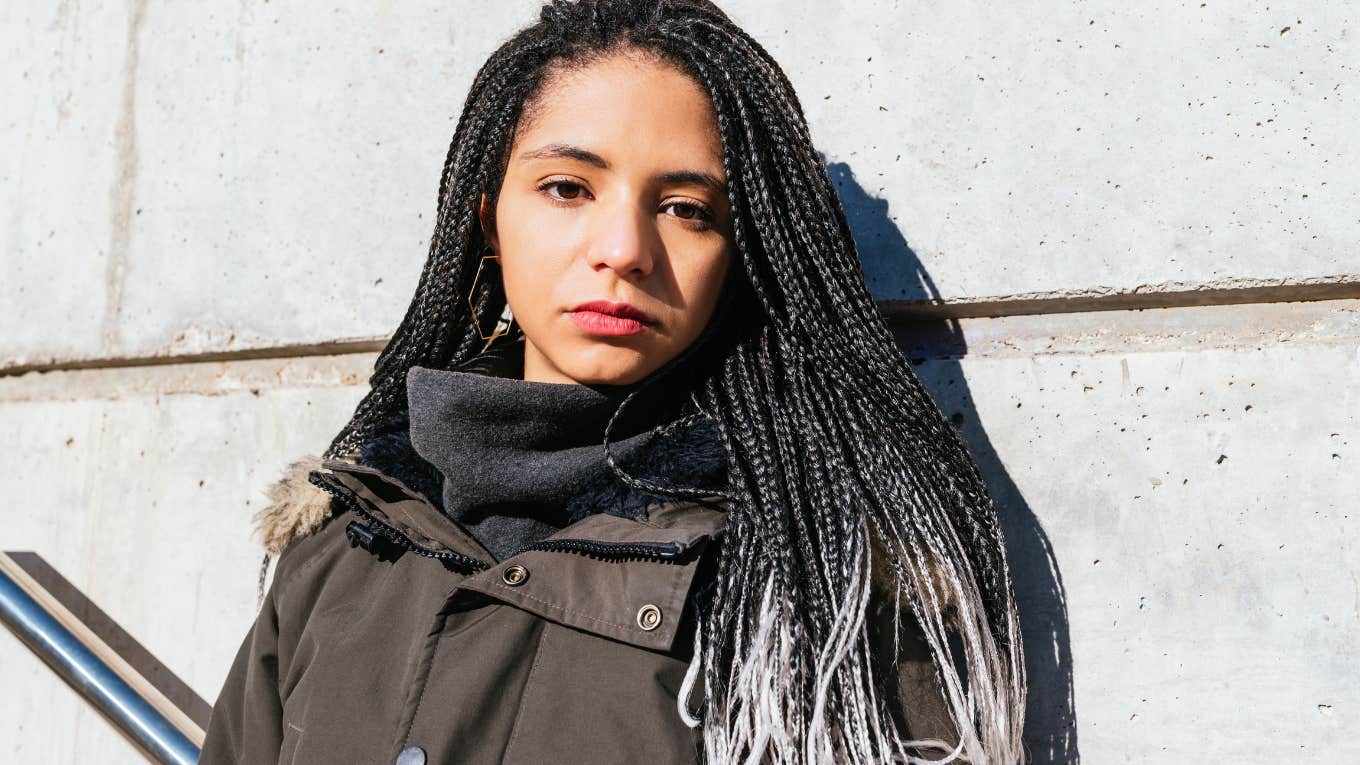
[602,317]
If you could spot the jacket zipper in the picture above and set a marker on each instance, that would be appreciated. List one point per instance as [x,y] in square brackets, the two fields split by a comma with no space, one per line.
[656,550]
[660,550]
[356,505]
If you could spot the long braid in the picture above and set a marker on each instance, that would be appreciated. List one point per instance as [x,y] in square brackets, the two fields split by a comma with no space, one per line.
[838,460]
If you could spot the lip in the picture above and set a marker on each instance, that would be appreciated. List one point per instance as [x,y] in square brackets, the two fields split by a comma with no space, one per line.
[603,317]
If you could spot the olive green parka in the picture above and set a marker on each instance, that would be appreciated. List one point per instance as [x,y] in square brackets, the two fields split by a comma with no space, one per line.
[389,634]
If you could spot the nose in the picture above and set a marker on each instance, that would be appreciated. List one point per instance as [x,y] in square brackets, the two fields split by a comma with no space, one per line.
[623,240]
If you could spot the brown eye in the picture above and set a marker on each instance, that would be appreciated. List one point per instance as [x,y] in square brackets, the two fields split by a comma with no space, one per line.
[694,215]
[572,190]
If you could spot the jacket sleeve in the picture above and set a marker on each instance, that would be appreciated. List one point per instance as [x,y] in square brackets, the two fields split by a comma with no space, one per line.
[912,693]
[903,664]
[247,718]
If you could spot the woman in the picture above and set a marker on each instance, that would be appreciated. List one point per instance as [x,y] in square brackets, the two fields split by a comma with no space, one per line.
[684,501]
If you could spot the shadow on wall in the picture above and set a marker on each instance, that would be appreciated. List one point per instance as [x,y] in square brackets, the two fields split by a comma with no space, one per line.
[935,347]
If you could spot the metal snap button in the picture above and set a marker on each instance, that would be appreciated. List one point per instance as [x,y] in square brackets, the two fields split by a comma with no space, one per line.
[411,755]
[649,617]
[514,574]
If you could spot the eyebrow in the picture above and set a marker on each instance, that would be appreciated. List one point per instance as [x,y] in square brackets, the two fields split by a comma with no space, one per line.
[567,151]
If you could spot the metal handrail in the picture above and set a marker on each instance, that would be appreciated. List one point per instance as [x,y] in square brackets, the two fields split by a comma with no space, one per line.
[114,689]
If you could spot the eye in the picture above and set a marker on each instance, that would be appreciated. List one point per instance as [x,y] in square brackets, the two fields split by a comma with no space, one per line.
[694,214]
[573,190]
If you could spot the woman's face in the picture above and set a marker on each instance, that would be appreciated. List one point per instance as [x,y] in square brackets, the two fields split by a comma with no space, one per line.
[614,194]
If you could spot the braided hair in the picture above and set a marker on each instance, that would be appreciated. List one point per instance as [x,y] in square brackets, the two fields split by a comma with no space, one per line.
[838,460]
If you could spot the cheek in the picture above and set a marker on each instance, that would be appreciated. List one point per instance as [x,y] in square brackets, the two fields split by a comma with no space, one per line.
[526,289]
[701,281]
[528,255]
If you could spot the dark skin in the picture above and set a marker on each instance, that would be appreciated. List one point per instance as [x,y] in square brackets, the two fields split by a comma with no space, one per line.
[652,228]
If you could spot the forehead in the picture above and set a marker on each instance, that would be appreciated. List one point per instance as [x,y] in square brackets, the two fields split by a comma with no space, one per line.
[628,109]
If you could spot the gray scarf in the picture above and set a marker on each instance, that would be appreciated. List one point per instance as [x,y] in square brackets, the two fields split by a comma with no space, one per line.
[518,460]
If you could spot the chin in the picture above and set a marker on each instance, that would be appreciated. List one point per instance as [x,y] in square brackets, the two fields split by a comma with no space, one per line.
[624,375]
[608,365]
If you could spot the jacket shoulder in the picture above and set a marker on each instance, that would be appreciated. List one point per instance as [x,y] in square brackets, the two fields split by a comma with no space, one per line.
[296,508]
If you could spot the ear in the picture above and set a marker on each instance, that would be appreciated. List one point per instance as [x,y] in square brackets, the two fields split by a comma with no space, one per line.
[486,216]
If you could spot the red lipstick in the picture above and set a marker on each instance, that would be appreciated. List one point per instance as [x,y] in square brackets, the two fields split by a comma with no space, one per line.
[602,317]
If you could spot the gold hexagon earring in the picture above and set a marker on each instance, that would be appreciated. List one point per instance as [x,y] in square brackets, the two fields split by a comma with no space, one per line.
[503,324]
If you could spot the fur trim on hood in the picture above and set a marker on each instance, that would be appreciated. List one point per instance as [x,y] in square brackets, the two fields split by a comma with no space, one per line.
[296,508]
[883,581]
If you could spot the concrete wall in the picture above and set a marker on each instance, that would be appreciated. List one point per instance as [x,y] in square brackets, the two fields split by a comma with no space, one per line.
[1120,239]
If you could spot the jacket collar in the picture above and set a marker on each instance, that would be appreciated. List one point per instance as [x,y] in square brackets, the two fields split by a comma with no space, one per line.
[624,578]
[631,550]
[296,506]
[669,529]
